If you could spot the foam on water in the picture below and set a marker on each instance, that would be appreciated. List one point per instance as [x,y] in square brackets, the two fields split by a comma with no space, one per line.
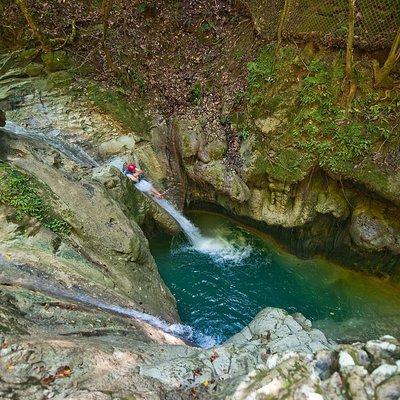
[220,249]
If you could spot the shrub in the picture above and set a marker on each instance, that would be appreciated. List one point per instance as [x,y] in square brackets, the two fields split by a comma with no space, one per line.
[22,193]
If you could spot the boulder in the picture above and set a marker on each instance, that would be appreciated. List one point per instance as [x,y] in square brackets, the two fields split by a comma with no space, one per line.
[389,389]
[384,372]
[375,227]
[188,133]
[386,349]
[120,145]
[212,151]
[280,332]
[223,181]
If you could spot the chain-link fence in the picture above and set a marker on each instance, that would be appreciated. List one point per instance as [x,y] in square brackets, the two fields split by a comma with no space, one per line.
[376,23]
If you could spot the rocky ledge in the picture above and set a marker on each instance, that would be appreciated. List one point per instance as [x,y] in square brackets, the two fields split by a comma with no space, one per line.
[276,356]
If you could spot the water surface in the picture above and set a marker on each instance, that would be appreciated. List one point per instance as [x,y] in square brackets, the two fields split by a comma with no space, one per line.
[218,293]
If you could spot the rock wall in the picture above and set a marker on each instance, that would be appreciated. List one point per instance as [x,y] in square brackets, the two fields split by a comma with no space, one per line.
[319,214]
[109,249]
[54,347]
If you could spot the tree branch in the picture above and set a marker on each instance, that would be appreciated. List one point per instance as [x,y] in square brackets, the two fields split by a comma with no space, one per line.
[394,56]
[43,39]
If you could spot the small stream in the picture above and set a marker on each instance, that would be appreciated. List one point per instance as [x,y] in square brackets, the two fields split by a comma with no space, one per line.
[219,292]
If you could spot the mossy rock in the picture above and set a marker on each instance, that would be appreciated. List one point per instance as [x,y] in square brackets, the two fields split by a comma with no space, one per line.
[133,115]
[34,69]
[27,56]
[55,61]
[26,196]
[59,79]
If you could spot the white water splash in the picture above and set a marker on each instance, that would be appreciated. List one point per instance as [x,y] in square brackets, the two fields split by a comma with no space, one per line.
[72,151]
[220,249]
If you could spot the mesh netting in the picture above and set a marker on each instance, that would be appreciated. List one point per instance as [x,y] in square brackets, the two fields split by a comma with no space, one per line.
[376,24]
[326,20]
[379,22]
[265,15]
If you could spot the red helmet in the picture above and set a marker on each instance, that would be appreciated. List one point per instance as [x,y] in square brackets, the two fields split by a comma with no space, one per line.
[131,167]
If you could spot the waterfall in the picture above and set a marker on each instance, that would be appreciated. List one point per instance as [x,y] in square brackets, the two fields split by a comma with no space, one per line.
[189,229]
[72,151]
[77,295]
[217,247]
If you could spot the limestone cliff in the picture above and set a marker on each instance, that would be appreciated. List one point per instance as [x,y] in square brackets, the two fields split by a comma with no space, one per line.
[102,247]
[332,216]
[58,340]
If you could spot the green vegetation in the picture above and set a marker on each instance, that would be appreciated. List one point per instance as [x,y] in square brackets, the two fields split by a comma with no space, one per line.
[55,61]
[131,114]
[304,92]
[23,194]
[196,93]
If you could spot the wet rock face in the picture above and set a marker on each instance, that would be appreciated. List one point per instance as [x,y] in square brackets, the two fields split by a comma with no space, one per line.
[110,249]
[2,118]
[371,225]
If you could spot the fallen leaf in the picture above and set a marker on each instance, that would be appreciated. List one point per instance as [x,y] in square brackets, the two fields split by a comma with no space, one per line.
[63,372]
[47,380]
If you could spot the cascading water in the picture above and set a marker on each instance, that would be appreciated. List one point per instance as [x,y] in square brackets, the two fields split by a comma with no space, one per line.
[189,229]
[49,287]
[218,248]
[72,151]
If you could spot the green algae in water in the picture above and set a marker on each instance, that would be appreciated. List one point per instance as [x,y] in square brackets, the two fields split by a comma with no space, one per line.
[218,298]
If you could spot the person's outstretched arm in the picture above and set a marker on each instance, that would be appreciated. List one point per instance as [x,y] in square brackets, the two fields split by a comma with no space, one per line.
[133,177]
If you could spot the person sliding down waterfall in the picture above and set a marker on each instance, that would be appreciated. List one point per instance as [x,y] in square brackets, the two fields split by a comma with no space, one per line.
[135,175]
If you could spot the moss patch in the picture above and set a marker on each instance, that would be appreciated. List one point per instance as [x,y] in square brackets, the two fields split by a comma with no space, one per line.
[307,93]
[131,114]
[55,61]
[23,194]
